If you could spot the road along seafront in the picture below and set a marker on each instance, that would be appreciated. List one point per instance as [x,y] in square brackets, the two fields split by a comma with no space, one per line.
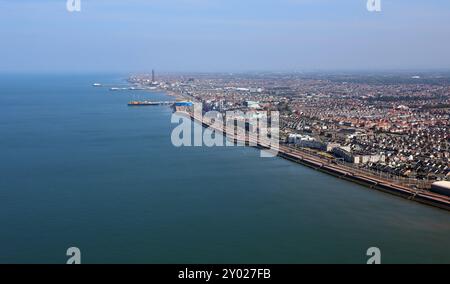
[328,167]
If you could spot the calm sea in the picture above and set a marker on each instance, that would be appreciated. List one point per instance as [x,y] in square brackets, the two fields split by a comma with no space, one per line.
[80,168]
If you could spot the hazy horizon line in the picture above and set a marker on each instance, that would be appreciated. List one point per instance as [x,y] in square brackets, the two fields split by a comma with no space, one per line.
[269,71]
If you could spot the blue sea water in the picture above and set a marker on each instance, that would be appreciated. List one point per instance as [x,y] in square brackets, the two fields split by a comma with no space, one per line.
[80,168]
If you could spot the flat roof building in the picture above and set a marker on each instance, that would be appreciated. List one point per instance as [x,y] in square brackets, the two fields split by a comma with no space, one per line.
[441,187]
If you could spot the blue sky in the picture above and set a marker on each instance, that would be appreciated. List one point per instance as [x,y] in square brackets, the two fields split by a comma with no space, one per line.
[223,35]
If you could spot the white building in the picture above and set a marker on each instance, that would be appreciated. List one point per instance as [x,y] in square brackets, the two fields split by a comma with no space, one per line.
[365,159]
[306,141]
[441,187]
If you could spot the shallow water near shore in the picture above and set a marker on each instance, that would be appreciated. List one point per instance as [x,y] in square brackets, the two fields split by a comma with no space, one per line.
[80,168]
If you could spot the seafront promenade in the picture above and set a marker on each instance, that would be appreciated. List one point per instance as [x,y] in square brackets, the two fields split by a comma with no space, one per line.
[337,170]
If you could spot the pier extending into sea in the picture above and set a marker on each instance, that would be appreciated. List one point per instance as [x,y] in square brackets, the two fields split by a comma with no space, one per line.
[149,103]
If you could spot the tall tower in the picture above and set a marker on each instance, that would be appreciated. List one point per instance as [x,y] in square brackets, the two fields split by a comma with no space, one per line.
[153,75]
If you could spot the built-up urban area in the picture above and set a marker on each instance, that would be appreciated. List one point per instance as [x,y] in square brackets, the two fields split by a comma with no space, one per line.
[396,126]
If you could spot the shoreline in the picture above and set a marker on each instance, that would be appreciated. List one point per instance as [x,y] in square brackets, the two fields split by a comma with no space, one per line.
[297,156]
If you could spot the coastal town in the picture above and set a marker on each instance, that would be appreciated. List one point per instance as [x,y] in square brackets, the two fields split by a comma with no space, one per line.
[395,127]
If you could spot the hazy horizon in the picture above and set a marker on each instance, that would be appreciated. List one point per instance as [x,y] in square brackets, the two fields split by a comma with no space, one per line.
[224,36]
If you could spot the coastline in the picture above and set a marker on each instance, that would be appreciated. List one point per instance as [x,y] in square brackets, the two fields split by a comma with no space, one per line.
[305,159]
